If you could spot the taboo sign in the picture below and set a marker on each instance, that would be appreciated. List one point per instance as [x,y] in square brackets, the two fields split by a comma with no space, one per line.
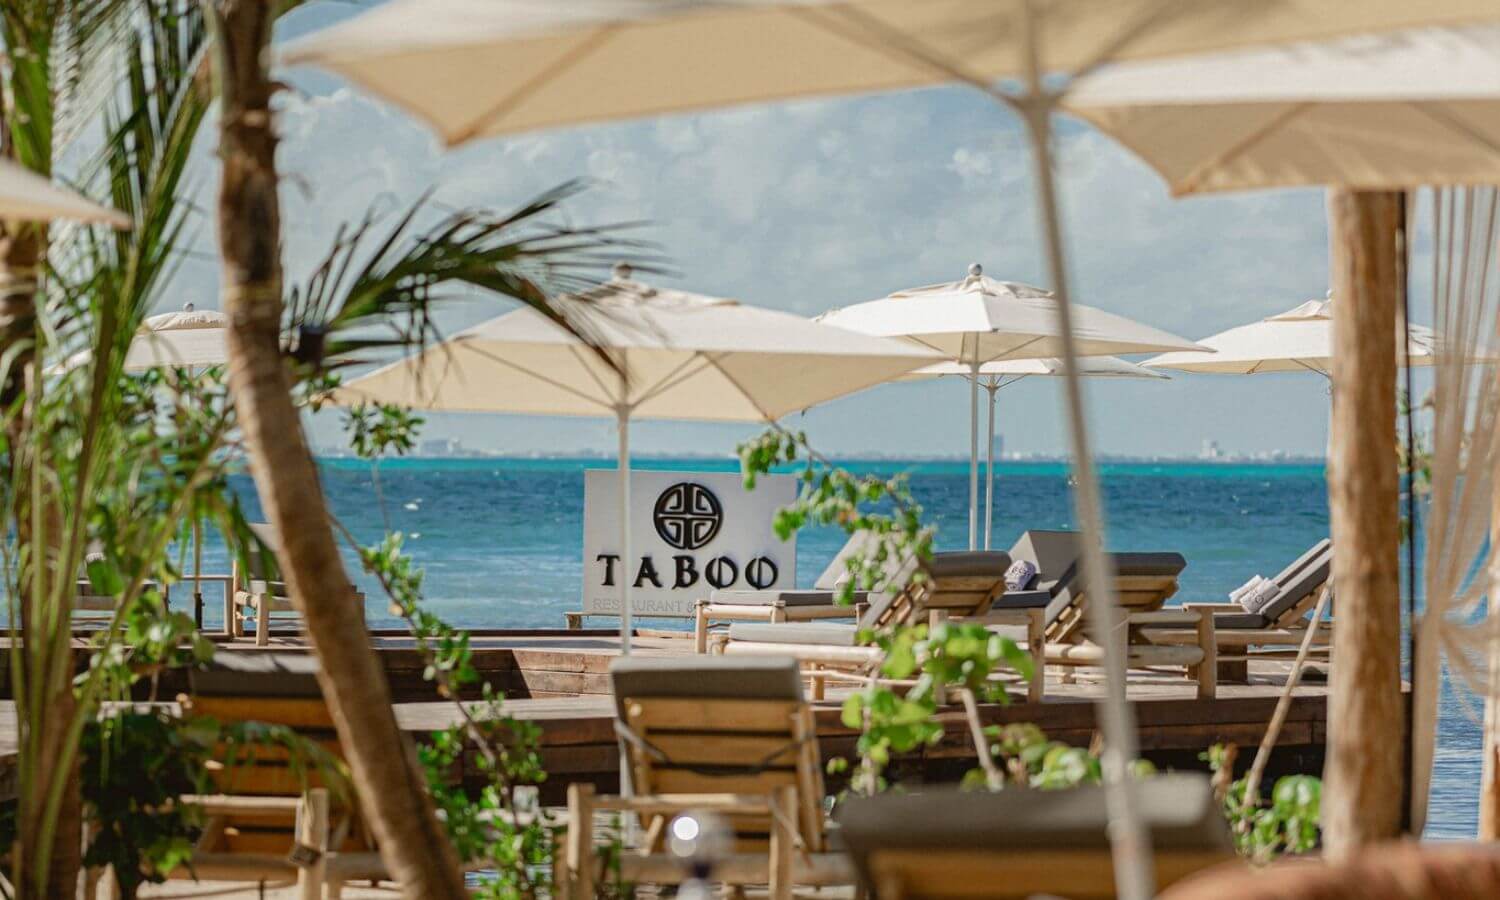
[690,533]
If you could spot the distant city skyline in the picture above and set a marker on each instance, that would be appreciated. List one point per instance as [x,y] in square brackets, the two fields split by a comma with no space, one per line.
[811,205]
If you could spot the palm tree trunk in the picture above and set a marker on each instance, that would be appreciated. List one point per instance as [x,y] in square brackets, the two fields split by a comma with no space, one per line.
[1365,775]
[391,790]
[22,247]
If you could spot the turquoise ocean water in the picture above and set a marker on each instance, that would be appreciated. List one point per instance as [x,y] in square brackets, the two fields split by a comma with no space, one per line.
[501,541]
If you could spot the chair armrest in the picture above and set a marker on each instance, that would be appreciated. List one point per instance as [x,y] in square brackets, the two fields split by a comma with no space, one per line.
[1215,607]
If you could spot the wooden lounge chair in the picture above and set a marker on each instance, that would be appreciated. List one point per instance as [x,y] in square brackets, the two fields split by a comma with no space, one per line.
[950,845]
[257,595]
[268,805]
[1279,628]
[963,584]
[1143,583]
[821,602]
[707,733]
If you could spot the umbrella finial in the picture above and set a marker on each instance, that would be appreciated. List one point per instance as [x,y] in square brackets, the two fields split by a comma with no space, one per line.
[975,270]
[188,306]
[622,271]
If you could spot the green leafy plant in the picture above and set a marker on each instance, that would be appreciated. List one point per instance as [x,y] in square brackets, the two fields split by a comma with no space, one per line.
[896,713]
[1290,823]
[136,767]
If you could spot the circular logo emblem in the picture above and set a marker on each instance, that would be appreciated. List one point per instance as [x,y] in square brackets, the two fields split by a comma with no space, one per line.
[687,515]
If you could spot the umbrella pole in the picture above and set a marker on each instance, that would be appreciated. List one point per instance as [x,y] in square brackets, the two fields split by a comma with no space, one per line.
[627,570]
[197,571]
[989,472]
[1130,843]
[974,451]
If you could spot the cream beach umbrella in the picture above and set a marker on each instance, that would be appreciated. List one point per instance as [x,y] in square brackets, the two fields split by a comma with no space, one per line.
[1406,108]
[530,64]
[675,355]
[26,196]
[996,375]
[1298,340]
[981,320]
[192,338]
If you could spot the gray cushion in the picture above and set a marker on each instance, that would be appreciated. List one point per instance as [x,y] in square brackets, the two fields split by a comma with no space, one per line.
[1240,620]
[786,598]
[1306,574]
[1022,600]
[740,678]
[1070,586]
[1054,552]
[1178,808]
[831,634]
[257,674]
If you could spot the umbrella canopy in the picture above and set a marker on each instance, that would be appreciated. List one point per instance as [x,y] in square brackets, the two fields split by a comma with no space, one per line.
[1298,340]
[1012,370]
[191,338]
[525,64]
[672,355]
[980,320]
[26,196]
[685,356]
[1408,108]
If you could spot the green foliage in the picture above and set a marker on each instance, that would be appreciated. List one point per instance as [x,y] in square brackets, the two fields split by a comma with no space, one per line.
[136,766]
[1290,824]
[377,429]
[898,713]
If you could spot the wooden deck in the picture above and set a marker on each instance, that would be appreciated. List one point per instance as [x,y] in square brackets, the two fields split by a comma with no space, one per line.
[559,680]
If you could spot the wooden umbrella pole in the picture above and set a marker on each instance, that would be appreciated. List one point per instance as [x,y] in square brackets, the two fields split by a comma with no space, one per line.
[1364,772]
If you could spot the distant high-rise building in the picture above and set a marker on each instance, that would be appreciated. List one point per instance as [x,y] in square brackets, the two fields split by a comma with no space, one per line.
[440,447]
[1210,450]
[999,446]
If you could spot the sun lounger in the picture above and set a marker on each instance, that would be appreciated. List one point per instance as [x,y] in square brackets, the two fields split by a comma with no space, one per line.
[257,595]
[821,602]
[1280,626]
[1143,582]
[963,584]
[734,737]
[267,804]
[947,845]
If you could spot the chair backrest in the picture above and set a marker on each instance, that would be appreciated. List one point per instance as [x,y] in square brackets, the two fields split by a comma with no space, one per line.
[1299,584]
[944,844]
[711,724]
[264,576]
[836,570]
[274,689]
[963,583]
[1143,582]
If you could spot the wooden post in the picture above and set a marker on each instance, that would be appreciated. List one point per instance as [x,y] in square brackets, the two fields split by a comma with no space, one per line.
[1364,773]
[388,780]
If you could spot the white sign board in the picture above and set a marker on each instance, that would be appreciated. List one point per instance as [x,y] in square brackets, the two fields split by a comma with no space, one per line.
[690,533]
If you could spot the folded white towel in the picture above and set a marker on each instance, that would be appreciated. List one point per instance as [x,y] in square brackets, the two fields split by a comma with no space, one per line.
[1020,575]
[1259,598]
[1239,593]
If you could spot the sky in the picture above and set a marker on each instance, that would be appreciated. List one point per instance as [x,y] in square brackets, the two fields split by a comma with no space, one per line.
[811,205]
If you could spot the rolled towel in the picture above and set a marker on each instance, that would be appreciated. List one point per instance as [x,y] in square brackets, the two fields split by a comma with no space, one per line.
[1240,593]
[1020,576]
[1258,599]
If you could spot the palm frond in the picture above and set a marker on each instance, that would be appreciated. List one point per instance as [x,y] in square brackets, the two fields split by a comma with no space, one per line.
[376,289]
